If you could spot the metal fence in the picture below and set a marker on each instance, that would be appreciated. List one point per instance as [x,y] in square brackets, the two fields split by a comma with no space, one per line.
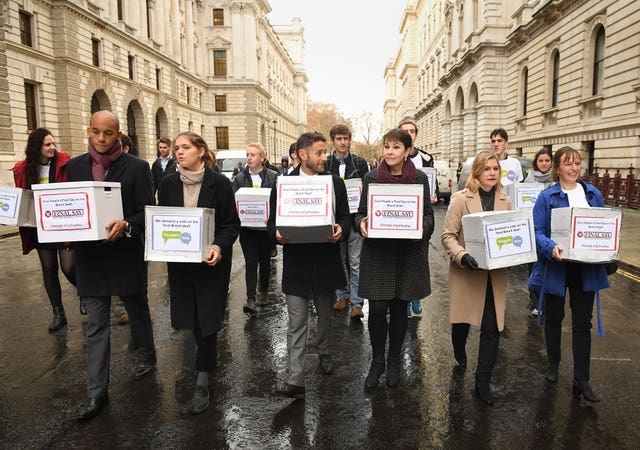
[617,189]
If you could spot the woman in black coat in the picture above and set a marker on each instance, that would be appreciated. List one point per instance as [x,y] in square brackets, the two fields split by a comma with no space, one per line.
[392,271]
[199,290]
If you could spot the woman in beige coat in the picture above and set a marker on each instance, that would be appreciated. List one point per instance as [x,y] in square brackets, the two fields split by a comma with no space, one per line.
[477,296]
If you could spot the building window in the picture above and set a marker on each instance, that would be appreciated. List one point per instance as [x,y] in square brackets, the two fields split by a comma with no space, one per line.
[221,103]
[131,60]
[95,51]
[158,78]
[120,10]
[220,63]
[222,138]
[598,63]
[26,31]
[190,126]
[189,96]
[31,103]
[556,78]
[525,90]
[218,17]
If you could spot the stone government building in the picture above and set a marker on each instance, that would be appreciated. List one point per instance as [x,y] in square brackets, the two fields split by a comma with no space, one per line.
[552,73]
[215,67]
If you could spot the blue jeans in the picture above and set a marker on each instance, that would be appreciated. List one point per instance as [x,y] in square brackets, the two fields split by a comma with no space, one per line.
[350,253]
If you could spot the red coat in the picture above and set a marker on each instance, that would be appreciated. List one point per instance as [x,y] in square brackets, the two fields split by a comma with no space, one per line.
[59,164]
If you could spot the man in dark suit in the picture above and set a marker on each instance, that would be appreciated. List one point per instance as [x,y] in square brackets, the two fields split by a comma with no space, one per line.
[165,164]
[116,265]
[310,271]
[237,170]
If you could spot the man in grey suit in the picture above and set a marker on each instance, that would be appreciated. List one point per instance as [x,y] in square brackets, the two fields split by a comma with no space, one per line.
[116,265]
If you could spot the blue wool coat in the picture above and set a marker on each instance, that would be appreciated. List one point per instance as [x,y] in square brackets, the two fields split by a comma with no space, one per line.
[549,274]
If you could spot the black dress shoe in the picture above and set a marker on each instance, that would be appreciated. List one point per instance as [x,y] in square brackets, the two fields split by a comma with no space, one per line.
[483,391]
[142,370]
[200,399]
[551,374]
[291,391]
[93,408]
[325,365]
[581,387]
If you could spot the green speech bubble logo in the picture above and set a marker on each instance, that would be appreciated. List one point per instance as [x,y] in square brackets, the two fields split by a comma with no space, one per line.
[504,240]
[168,234]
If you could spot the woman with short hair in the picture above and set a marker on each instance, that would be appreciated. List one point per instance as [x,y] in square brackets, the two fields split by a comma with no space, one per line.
[477,296]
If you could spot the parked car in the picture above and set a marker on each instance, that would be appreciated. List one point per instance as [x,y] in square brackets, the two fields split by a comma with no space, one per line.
[466,168]
[228,160]
[445,182]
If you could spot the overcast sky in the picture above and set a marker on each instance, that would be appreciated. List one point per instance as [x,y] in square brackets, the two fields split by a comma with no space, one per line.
[348,44]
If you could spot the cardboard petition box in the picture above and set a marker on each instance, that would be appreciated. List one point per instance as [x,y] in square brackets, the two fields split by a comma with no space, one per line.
[589,235]
[76,211]
[16,207]
[253,206]
[305,210]
[432,174]
[395,211]
[177,234]
[354,192]
[499,239]
[523,195]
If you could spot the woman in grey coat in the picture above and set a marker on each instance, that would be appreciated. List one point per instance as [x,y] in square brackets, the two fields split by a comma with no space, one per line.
[392,271]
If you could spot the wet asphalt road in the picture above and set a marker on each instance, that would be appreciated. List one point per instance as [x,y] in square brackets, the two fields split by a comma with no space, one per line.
[42,377]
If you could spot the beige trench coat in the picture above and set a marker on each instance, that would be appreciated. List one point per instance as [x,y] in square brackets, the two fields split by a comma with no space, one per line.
[467,288]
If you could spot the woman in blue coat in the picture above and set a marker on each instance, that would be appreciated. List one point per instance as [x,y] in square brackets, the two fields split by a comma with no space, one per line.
[199,290]
[552,276]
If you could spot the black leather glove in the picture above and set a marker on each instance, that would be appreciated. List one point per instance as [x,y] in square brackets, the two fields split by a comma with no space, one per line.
[469,262]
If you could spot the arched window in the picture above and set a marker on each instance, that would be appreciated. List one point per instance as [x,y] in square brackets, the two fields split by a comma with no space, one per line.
[555,78]
[598,63]
[525,90]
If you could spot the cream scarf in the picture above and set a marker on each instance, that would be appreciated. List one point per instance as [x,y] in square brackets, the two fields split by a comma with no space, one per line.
[191,183]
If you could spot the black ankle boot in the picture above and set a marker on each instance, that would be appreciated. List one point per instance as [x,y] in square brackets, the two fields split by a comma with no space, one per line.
[551,374]
[375,372]
[460,355]
[59,319]
[483,391]
[393,370]
[581,387]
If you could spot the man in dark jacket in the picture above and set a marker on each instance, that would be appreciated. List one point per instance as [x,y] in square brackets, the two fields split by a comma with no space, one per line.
[116,265]
[310,271]
[348,166]
[165,164]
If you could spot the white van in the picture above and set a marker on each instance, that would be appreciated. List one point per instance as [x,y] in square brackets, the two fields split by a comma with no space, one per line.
[443,175]
[228,160]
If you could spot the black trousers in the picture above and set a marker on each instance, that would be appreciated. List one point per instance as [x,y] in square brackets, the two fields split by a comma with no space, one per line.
[396,327]
[256,247]
[489,336]
[581,303]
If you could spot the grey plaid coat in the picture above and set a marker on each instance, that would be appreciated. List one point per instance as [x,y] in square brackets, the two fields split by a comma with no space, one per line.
[395,268]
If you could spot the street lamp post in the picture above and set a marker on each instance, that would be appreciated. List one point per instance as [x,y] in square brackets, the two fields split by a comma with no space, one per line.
[274,122]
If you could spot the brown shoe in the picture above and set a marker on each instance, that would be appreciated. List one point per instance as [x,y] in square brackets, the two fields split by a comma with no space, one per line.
[356,313]
[124,319]
[341,304]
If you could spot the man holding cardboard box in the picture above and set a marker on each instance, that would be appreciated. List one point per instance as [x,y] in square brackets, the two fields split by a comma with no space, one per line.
[311,271]
[348,167]
[116,265]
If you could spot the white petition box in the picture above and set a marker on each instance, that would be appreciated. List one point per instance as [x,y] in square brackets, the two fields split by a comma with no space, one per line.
[432,174]
[395,211]
[499,239]
[177,234]
[16,207]
[253,206]
[523,195]
[354,192]
[589,235]
[76,211]
[305,211]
